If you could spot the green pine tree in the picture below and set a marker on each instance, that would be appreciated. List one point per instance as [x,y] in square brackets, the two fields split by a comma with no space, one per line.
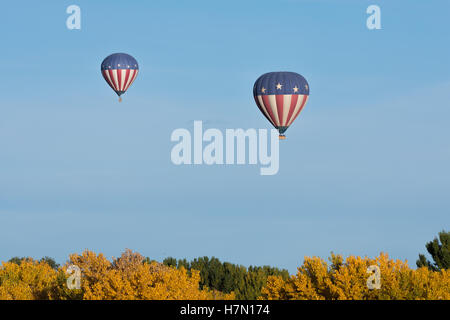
[228,277]
[439,249]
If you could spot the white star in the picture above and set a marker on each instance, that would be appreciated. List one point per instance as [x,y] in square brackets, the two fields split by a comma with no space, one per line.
[279,85]
[295,89]
[263,90]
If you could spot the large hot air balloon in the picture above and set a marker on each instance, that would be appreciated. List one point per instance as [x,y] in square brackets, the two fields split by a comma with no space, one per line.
[120,70]
[281,96]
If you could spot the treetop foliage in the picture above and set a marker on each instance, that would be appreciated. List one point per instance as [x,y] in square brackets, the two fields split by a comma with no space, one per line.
[131,276]
[227,277]
[347,279]
[439,249]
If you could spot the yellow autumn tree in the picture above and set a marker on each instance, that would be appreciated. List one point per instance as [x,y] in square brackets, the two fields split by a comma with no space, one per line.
[125,278]
[344,280]
[129,278]
[28,280]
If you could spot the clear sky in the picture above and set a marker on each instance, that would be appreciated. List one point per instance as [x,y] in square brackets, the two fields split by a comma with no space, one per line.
[364,169]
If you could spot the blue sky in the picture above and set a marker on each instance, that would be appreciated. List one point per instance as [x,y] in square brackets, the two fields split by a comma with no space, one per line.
[364,168]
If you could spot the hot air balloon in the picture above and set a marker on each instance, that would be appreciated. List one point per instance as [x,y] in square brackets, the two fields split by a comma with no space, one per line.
[280,96]
[119,70]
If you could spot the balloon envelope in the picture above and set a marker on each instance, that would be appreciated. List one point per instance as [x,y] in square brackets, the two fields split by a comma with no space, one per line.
[280,96]
[119,71]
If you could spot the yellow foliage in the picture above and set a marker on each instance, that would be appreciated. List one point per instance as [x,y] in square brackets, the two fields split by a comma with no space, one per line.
[345,280]
[131,277]
[125,278]
[28,281]
[128,277]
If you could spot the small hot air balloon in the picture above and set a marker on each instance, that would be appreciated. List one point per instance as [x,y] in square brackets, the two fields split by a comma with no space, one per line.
[280,96]
[119,70]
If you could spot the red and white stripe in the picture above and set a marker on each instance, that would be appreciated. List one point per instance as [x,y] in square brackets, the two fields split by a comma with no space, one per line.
[281,109]
[120,79]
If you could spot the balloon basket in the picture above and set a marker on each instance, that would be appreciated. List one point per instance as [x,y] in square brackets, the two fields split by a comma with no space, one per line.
[120,99]
[282,137]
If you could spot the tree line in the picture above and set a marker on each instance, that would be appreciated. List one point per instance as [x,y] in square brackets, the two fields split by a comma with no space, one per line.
[246,283]
[131,276]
